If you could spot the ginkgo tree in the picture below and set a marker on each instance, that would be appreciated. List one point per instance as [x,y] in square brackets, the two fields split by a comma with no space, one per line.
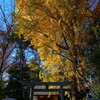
[58,29]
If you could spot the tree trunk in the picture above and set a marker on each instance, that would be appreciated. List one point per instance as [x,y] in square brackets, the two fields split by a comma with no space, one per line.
[75,92]
[1,84]
[75,77]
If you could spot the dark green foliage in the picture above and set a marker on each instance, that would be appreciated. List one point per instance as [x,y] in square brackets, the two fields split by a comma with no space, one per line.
[14,90]
[96,87]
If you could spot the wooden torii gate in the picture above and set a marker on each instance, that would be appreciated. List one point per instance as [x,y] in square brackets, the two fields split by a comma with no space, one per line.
[61,90]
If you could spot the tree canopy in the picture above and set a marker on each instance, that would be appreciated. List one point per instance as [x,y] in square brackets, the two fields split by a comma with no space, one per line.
[59,30]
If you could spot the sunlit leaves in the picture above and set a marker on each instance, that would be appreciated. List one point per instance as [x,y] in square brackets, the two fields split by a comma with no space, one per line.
[55,28]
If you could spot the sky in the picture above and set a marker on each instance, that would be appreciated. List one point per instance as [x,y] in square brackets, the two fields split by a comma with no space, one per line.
[6,8]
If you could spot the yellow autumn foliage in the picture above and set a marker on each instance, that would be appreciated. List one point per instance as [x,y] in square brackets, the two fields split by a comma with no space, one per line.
[56,29]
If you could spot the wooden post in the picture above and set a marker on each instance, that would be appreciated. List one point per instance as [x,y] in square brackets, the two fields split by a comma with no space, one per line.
[46,86]
[31,93]
[62,92]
